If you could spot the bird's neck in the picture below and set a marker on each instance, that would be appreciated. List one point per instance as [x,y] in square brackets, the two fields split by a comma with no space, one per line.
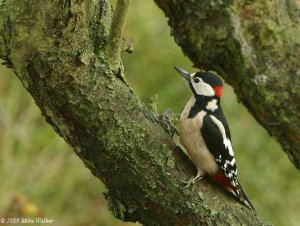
[208,104]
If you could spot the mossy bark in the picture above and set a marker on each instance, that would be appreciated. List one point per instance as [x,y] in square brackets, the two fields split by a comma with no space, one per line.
[58,49]
[255,46]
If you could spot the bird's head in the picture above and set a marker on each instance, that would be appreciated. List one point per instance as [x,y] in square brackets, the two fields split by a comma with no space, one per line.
[203,83]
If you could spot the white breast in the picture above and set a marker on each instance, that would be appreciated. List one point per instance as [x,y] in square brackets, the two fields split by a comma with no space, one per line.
[191,138]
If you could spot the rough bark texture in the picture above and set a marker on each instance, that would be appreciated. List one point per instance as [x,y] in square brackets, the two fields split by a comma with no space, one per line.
[255,46]
[58,50]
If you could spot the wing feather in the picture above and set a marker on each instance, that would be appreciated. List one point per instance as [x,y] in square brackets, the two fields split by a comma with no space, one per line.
[217,140]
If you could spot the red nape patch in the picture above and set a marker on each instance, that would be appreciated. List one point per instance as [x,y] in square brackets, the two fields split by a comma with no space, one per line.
[221,179]
[218,90]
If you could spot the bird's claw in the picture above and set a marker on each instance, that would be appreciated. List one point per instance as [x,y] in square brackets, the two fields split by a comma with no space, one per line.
[190,182]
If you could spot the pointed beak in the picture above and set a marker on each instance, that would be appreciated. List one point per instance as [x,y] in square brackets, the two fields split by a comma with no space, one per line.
[183,73]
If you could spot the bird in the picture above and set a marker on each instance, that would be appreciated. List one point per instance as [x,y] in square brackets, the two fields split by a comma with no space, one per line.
[205,134]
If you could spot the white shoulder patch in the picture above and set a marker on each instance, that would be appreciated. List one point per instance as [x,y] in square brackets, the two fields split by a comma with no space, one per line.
[228,145]
[226,140]
[219,124]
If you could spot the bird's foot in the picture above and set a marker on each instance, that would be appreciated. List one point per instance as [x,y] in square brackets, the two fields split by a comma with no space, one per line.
[191,181]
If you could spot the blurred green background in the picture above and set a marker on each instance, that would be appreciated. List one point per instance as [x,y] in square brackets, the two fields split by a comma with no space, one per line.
[41,176]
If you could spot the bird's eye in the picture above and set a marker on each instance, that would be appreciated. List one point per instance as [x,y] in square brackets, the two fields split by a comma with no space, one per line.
[196,80]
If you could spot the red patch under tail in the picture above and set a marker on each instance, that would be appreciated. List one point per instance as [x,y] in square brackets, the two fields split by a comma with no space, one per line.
[221,179]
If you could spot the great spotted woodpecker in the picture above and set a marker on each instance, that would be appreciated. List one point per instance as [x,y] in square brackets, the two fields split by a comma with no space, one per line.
[205,134]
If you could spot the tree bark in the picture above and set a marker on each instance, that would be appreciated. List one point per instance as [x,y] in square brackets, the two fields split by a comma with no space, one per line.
[58,49]
[255,46]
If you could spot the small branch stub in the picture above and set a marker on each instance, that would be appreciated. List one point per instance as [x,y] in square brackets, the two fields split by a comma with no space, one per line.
[114,46]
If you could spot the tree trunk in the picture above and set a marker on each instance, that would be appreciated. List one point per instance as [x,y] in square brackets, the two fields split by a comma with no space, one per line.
[60,50]
[255,46]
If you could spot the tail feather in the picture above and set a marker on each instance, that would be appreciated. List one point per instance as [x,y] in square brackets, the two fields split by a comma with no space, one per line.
[235,189]
[242,196]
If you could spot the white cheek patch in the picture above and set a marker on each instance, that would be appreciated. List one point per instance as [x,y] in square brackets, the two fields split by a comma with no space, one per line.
[202,88]
[212,105]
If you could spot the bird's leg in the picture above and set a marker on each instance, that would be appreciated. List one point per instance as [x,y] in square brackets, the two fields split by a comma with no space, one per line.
[193,180]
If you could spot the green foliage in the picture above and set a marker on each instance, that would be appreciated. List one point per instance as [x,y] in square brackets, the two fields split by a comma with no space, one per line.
[41,176]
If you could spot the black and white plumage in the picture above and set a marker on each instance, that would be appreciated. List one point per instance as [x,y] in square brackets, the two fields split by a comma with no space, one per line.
[204,132]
